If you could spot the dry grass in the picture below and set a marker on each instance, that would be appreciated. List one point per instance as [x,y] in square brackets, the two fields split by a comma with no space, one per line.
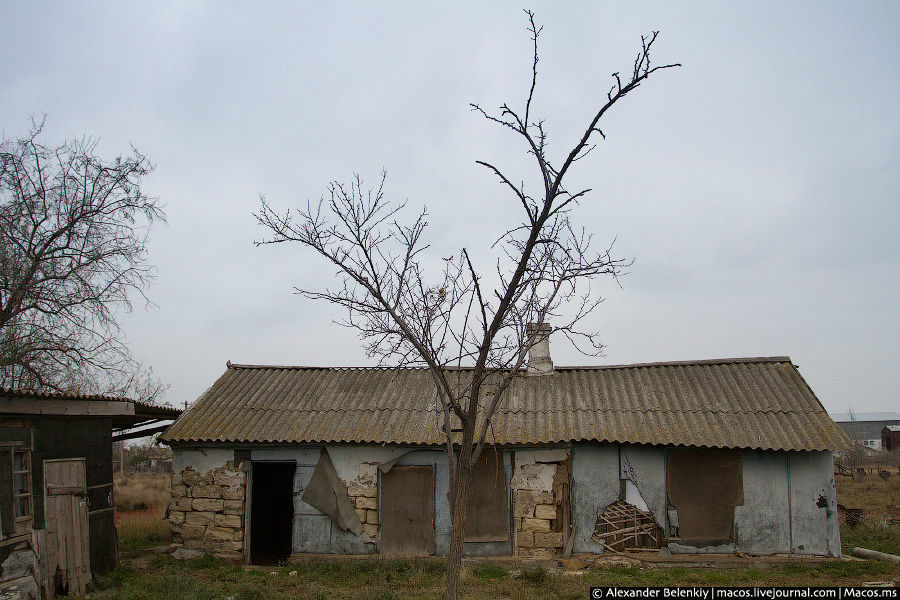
[880,502]
[143,491]
[141,528]
[877,498]
[393,579]
[141,501]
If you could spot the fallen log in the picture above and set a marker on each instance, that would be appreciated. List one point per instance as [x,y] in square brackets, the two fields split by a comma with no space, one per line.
[875,554]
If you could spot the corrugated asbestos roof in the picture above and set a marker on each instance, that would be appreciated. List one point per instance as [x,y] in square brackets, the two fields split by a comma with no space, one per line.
[140,407]
[735,403]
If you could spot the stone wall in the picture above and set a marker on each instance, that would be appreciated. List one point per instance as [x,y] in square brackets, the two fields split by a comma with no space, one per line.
[207,510]
[363,492]
[539,487]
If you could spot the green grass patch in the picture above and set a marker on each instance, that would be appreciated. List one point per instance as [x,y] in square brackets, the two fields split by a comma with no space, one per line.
[486,571]
[535,575]
[141,529]
[874,537]
[205,578]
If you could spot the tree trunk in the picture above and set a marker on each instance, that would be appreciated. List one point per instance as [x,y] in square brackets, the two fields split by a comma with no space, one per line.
[458,520]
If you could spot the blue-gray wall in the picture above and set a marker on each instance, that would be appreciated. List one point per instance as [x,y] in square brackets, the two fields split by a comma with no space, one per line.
[315,532]
[789,499]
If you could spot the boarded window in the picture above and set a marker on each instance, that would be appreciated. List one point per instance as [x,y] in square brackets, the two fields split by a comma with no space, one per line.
[407,511]
[487,514]
[704,485]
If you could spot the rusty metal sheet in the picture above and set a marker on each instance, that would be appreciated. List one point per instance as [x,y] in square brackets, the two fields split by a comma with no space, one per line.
[705,485]
[407,511]
[487,508]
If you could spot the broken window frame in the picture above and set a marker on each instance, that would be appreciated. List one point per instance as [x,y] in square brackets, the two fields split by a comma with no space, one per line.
[23,521]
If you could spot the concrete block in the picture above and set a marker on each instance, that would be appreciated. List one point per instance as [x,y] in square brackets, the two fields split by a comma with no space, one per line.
[192,532]
[525,539]
[230,556]
[190,477]
[227,477]
[232,493]
[535,525]
[548,540]
[523,509]
[532,497]
[368,503]
[230,545]
[367,490]
[199,518]
[219,533]
[232,521]
[207,504]
[545,511]
[206,491]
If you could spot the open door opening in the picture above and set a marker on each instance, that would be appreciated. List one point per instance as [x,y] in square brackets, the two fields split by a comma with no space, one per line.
[271,512]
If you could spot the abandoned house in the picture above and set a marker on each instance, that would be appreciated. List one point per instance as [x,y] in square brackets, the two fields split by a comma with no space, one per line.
[57,515]
[706,456]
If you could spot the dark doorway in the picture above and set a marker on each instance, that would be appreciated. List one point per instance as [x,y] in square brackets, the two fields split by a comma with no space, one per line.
[271,512]
[704,485]
[407,511]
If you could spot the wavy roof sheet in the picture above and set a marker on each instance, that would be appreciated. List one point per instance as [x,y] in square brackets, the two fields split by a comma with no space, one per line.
[144,408]
[731,403]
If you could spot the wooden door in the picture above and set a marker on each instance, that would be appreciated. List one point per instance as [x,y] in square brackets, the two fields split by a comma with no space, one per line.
[407,511]
[66,519]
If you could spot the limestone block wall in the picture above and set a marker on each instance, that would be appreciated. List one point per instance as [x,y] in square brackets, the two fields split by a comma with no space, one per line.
[363,492]
[539,487]
[207,510]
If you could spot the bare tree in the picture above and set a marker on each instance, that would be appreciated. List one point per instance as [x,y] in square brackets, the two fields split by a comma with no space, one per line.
[407,317]
[73,252]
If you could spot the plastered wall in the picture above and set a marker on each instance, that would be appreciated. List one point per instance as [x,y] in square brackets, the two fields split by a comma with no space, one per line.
[789,498]
[357,467]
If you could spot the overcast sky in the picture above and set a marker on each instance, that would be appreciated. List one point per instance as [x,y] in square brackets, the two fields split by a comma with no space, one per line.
[757,188]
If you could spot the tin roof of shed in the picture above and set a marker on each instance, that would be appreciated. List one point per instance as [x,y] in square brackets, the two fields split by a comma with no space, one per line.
[759,403]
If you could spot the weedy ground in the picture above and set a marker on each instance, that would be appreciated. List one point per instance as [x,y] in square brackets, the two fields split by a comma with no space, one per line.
[141,500]
[145,576]
[386,579]
[880,502]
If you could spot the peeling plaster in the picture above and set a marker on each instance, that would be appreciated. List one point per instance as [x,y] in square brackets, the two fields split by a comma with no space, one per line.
[202,460]
[633,496]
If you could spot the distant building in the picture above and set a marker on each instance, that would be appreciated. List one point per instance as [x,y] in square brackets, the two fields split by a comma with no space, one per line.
[890,437]
[865,428]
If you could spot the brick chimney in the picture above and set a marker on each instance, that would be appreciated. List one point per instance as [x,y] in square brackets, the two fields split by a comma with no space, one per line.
[539,362]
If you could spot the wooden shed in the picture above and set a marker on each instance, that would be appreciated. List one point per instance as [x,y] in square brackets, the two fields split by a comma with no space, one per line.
[57,513]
